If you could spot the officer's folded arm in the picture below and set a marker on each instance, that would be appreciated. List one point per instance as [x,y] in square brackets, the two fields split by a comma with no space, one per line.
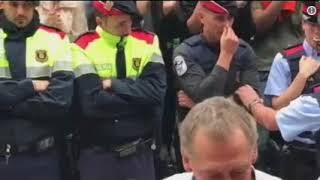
[148,89]
[13,92]
[51,103]
[125,94]
[96,102]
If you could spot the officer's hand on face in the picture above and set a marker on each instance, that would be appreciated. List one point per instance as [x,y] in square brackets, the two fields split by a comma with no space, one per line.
[308,66]
[184,100]
[40,85]
[229,41]
[247,95]
[106,84]
[54,20]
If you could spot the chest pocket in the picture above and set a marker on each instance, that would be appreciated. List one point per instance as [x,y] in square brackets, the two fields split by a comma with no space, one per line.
[105,63]
[39,59]
[137,56]
[207,58]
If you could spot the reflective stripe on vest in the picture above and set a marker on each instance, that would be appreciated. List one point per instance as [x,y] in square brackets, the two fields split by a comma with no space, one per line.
[102,54]
[46,53]
[4,65]
[81,63]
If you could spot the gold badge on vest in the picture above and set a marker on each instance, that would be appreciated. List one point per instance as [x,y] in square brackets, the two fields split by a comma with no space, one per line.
[41,56]
[136,63]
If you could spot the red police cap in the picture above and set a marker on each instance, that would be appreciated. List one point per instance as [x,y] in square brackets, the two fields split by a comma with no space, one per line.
[221,7]
[106,8]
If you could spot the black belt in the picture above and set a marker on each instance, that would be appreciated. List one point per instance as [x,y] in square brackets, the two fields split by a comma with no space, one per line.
[126,149]
[42,145]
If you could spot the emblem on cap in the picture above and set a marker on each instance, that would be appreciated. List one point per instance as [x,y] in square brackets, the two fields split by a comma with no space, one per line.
[109,5]
[41,56]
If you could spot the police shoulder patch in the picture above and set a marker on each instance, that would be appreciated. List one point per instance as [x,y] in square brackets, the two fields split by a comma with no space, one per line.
[180,65]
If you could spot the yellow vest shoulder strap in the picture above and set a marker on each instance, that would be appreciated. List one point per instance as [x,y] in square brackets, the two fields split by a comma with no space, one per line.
[85,39]
[146,36]
[53,30]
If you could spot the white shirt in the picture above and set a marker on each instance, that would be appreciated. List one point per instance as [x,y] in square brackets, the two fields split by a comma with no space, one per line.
[303,114]
[279,78]
[188,176]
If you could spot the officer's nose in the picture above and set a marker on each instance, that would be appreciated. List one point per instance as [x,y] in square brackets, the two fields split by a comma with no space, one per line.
[20,10]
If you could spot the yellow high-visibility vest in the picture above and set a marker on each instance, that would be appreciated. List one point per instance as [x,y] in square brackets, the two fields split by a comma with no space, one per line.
[100,49]
[47,51]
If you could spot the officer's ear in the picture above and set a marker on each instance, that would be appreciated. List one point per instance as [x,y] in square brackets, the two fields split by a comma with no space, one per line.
[98,20]
[201,16]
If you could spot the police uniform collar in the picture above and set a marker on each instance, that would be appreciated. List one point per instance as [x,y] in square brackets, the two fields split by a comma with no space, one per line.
[214,47]
[110,38]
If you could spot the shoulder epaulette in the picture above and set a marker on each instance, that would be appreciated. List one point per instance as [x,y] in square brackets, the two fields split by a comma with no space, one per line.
[86,38]
[146,36]
[53,30]
[293,51]
[193,41]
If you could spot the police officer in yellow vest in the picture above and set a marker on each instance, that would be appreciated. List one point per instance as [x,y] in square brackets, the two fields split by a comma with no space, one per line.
[120,85]
[36,87]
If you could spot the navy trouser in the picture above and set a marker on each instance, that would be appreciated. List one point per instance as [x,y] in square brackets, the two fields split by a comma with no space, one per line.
[41,166]
[98,164]
[298,163]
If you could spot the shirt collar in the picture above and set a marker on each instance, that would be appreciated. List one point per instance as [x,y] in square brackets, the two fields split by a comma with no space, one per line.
[253,174]
[310,51]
